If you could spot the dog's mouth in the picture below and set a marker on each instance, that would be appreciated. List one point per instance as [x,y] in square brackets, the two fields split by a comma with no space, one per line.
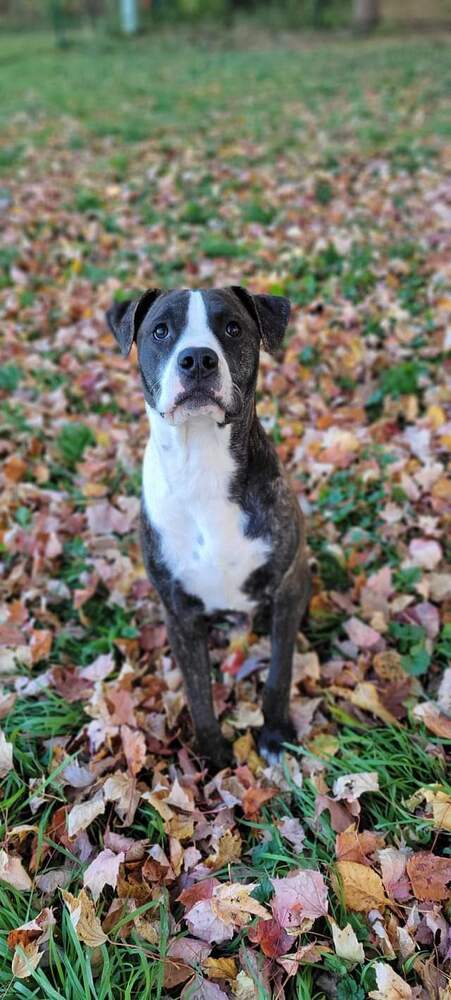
[196,401]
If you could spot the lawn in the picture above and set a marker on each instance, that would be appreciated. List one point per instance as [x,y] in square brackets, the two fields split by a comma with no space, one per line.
[312,168]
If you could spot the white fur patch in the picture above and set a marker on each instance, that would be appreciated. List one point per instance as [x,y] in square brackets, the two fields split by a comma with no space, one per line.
[186,478]
[197,333]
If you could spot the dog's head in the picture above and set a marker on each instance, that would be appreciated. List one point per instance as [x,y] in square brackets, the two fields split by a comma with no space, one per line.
[198,351]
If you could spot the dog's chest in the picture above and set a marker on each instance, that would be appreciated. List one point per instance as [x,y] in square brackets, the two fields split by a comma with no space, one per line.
[186,482]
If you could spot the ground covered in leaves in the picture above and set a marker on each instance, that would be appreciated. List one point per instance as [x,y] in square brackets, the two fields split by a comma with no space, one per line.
[126,870]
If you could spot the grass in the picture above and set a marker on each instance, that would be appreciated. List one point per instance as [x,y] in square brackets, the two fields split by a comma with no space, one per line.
[250,137]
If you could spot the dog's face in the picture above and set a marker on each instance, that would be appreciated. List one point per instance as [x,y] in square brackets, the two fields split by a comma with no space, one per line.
[198,350]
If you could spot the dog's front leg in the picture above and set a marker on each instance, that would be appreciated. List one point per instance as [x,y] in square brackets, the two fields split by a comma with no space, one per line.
[189,641]
[288,607]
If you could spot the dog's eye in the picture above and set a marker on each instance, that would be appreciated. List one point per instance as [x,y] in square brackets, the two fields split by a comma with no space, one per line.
[161,331]
[233,329]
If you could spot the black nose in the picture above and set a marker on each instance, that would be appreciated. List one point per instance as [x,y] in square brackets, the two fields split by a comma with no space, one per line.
[197,362]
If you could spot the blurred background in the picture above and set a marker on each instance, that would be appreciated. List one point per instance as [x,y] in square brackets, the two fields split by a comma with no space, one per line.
[141,15]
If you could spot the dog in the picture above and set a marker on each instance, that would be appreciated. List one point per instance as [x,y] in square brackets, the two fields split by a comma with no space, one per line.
[221,529]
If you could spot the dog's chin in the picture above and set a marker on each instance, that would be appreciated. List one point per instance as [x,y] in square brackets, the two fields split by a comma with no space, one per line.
[194,405]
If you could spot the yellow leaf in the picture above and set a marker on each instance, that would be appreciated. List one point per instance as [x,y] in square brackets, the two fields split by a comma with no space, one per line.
[365,696]
[220,968]
[227,849]
[83,918]
[362,888]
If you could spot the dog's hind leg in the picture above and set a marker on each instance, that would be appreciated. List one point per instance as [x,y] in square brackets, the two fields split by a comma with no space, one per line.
[189,642]
[289,604]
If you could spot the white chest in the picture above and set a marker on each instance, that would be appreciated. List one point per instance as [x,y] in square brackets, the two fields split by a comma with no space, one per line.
[186,478]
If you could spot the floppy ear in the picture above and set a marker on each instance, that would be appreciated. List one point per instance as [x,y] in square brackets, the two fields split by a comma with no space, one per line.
[270,312]
[124,318]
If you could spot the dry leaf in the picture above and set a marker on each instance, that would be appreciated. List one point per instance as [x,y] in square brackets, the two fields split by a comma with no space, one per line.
[429,875]
[104,870]
[83,814]
[365,696]
[13,872]
[346,944]
[299,897]
[220,968]
[352,786]
[26,960]
[227,849]
[362,635]
[6,755]
[390,985]
[435,720]
[234,905]
[83,918]
[134,745]
[361,887]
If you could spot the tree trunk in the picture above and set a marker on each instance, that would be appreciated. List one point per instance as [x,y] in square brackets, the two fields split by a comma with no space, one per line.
[129,16]
[366,15]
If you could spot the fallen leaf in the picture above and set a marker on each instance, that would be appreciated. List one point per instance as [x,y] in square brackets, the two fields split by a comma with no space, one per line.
[104,870]
[362,635]
[291,829]
[390,986]
[82,815]
[361,887]
[434,720]
[13,872]
[299,897]
[234,904]
[393,864]
[352,786]
[429,875]
[425,553]
[6,756]
[227,850]
[353,846]
[25,961]
[346,944]
[83,918]
[203,922]
[272,937]
[134,746]
[220,968]
[365,696]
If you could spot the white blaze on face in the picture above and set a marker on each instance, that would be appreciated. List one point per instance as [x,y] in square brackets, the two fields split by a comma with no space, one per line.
[197,333]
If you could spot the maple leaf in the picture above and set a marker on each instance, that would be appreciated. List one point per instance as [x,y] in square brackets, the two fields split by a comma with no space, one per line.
[104,870]
[299,897]
[83,918]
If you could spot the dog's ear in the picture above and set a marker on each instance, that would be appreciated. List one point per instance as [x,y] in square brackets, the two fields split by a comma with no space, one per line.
[270,312]
[124,318]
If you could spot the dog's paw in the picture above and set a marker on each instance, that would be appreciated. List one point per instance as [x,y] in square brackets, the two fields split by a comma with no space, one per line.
[271,740]
[217,751]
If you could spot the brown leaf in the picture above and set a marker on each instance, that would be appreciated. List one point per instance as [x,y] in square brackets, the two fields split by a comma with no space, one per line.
[434,720]
[254,798]
[134,746]
[365,696]
[83,814]
[429,875]
[390,985]
[83,918]
[40,644]
[361,887]
[353,846]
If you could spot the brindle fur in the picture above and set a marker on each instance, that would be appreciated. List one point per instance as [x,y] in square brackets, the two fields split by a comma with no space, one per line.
[260,487]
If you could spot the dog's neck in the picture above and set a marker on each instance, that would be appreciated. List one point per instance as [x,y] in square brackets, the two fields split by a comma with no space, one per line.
[175,446]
